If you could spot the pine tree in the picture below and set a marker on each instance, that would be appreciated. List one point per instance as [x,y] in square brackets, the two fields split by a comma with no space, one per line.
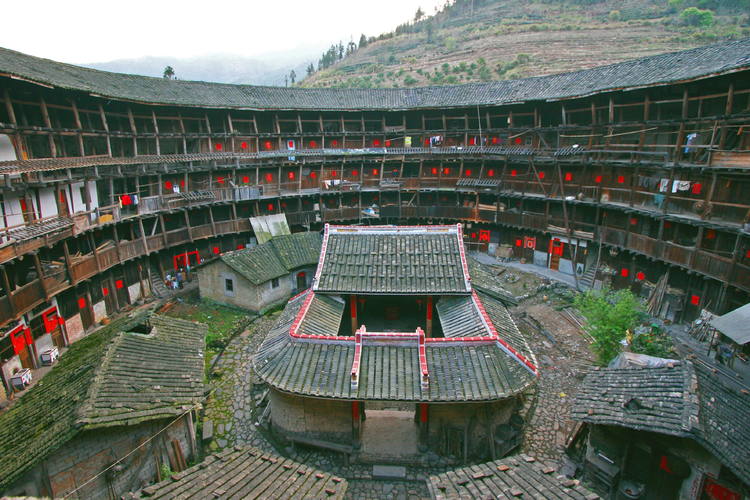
[362,41]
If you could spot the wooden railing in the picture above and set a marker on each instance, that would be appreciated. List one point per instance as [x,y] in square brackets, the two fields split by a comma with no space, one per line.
[27,296]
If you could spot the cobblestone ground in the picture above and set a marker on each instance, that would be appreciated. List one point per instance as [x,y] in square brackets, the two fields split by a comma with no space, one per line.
[564,359]
[231,411]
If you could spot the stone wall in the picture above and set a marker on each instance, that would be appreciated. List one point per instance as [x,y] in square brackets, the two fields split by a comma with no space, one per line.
[91,452]
[325,419]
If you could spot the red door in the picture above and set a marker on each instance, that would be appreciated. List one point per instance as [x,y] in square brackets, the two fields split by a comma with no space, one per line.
[556,251]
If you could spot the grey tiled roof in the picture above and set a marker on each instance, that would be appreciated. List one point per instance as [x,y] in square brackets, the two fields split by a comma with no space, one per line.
[54,411]
[688,400]
[324,316]
[518,476]
[664,68]
[145,377]
[463,372]
[396,260]
[484,280]
[460,318]
[274,258]
[247,473]
[648,399]
[724,427]
[505,326]
[298,249]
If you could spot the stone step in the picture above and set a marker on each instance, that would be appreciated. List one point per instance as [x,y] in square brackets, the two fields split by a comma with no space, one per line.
[388,472]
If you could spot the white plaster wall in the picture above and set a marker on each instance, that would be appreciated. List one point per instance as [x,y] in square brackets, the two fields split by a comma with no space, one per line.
[566,266]
[12,207]
[7,151]
[48,202]
[91,186]
[42,344]
[134,292]
[100,311]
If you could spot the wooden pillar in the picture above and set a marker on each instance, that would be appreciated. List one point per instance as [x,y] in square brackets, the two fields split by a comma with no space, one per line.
[428,325]
[40,273]
[353,312]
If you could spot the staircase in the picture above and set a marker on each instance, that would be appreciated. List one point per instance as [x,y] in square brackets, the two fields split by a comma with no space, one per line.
[587,280]
[158,288]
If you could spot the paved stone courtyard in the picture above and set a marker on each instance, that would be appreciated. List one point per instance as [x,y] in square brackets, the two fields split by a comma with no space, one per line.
[235,405]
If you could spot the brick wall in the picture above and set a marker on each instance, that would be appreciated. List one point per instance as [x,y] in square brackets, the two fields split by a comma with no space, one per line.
[90,452]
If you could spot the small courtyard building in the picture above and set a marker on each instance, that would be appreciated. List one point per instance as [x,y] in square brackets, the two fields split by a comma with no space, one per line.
[86,429]
[263,276]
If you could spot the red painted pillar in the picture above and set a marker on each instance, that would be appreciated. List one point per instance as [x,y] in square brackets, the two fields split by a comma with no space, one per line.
[428,327]
[422,409]
[353,310]
[356,424]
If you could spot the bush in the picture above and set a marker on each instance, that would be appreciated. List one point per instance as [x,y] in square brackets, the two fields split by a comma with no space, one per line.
[654,343]
[410,80]
[608,316]
[693,16]
[615,15]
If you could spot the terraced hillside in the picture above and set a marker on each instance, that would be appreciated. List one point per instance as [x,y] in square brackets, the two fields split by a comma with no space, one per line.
[484,40]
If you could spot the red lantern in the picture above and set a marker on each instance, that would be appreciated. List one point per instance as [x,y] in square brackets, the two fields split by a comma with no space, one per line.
[598,179]
[313,175]
[290,175]
[695,300]
[494,140]
[355,173]
[105,291]
[268,177]
[81,303]
[375,171]
[541,175]
[519,242]
[376,142]
[243,144]
[168,185]
[267,144]
[240,246]
[633,221]
[624,272]
[119,284]
[490,173]
[518,140]
[467,173]
[220,180]
[710,234]
[388,143]
[334,143]
[313,144]
[640,276]
[434,171]
[621,179]
[513,173]
[216,250]
[568,176]
[446,171]
[218,146]
[246,179]
[484,235]
[696,189]
[472,141]
[269,207]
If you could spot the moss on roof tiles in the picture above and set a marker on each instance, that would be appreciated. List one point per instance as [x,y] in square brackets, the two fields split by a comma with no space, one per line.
[30,430]
[704,61]
[276,257]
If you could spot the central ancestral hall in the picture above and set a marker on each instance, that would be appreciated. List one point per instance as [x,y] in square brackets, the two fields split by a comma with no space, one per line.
[392,323]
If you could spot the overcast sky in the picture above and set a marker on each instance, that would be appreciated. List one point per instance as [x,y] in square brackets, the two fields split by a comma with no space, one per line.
[87,31]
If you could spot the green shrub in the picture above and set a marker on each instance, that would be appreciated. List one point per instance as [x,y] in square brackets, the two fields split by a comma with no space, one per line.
[693,16]
[615,15]
[655,343]
[608,316]
[410,80]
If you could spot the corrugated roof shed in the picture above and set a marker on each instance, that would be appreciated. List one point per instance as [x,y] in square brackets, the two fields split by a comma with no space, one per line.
[248,473]
[81,391]
[709,60]
[735,324]
[519,476]
[275,258]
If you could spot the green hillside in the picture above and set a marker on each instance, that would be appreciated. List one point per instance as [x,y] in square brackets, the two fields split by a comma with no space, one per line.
[483,40]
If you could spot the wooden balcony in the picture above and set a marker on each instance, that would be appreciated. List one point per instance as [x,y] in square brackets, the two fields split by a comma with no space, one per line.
[676,254]
[108,258]
[155,242]
[203,231]
[178,236]
[83,267]
[27,296]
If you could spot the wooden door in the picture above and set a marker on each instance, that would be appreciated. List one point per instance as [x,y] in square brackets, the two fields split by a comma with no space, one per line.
[87,318]
[556,251]
[62,203]
[301,281]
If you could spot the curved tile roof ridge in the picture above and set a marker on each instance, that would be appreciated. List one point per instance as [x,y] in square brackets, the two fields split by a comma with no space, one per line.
[720,58]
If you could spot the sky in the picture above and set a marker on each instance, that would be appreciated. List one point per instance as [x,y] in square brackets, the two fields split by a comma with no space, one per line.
[85,31]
